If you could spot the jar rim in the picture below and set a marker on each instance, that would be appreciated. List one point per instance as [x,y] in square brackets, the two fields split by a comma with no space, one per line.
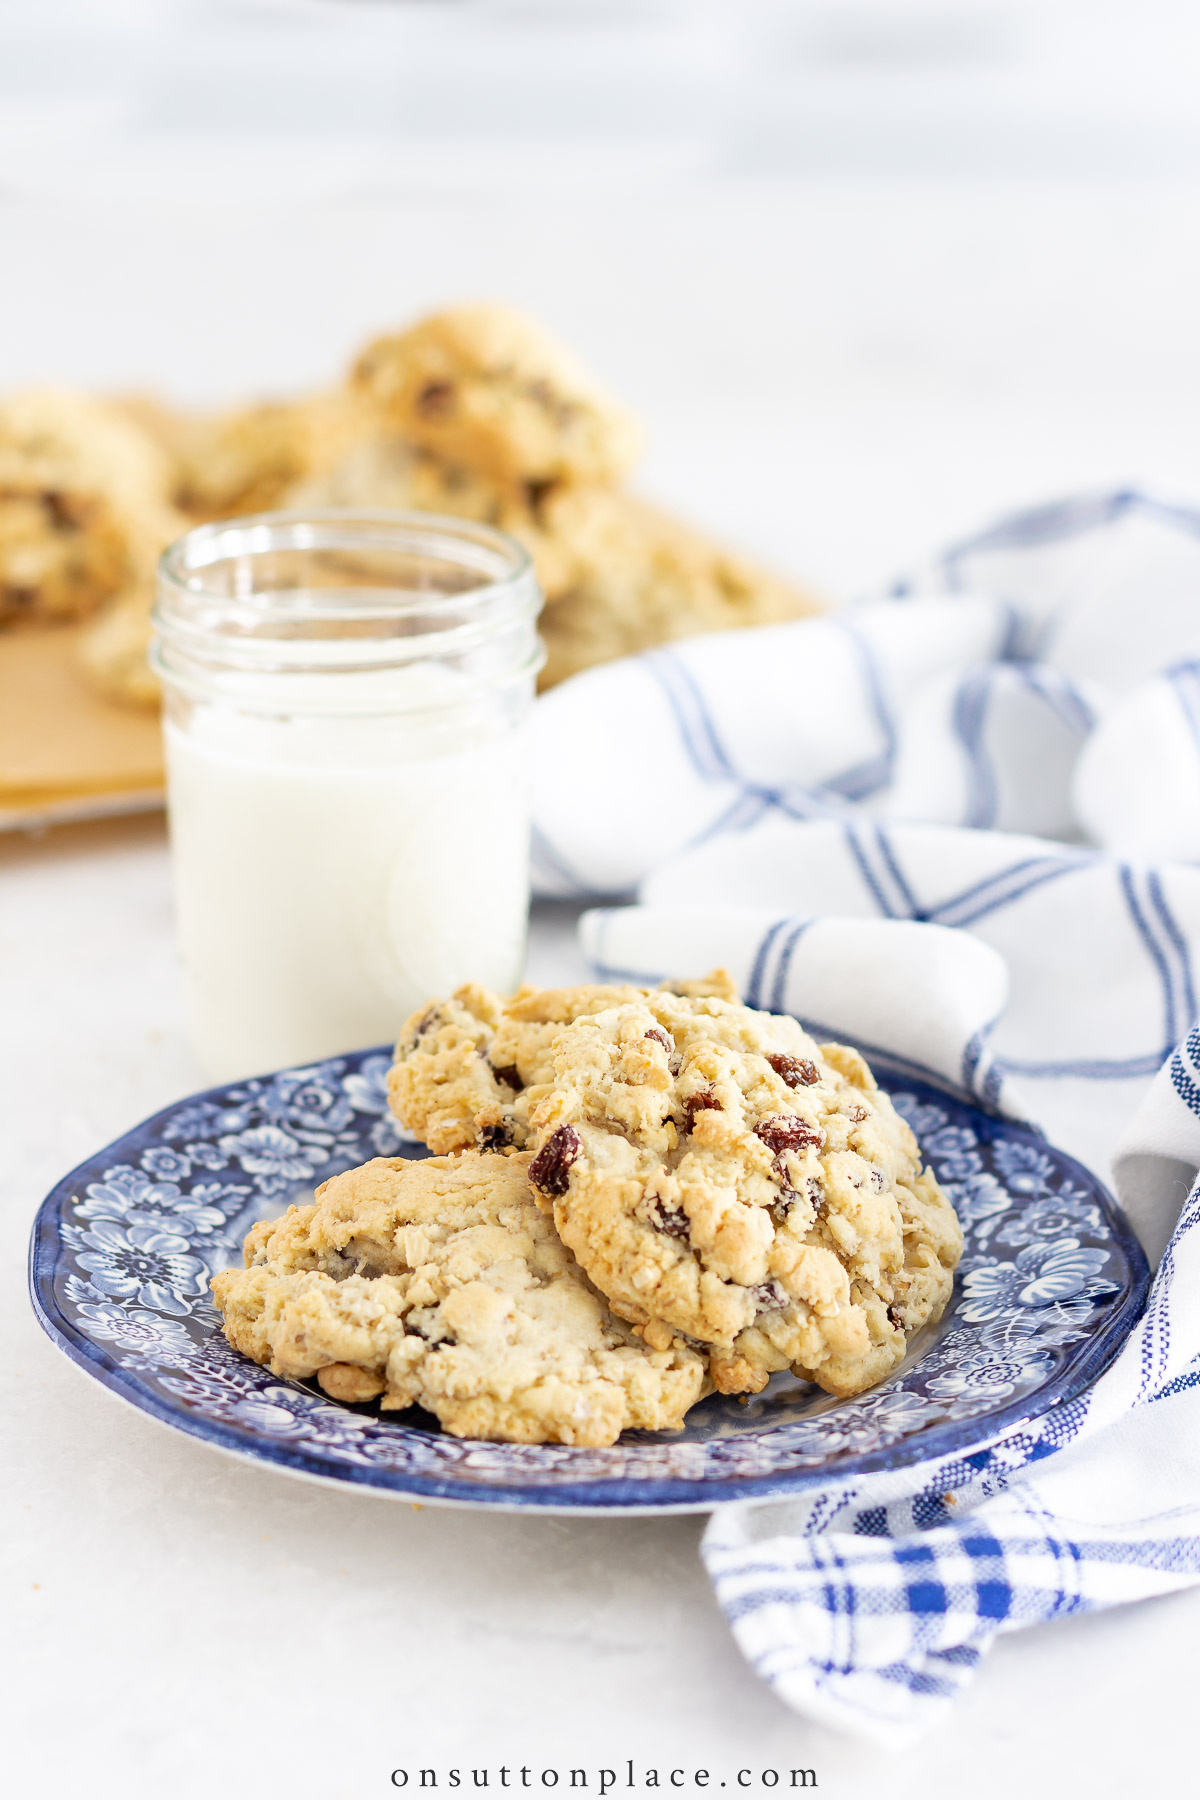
[201,625]
[500,560]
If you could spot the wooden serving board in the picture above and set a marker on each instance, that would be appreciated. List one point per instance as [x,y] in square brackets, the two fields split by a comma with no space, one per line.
[65,752]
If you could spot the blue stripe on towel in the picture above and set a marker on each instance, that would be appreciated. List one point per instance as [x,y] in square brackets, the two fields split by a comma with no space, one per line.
[891,862]
[1185,1065]
[1184,679]
[1158,950]
[778,1000]
[874,772]
[1178,944]
[1005,886]
[754,985]
[1060,694]
[1052,524]
[697,728]
[967,720]
[882,876]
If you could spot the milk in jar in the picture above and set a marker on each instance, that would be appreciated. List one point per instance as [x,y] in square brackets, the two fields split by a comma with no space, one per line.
[346,705]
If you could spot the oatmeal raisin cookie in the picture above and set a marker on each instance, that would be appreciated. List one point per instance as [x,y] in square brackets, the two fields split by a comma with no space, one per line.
[633,577]
[468,1069]
[719,1174]
[84,512]
[618,575]
[387,471]
[488,388]
[112,649]
[442,1284]
[250,460]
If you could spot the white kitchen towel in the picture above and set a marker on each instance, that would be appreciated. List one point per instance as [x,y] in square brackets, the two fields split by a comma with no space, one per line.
[868,1604]
[638,759]
[1104,585]
[1058,694]
[827,806]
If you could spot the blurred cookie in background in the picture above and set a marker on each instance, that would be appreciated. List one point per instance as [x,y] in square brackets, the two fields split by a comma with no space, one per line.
[619,575]
[250,459]
[638,577]
[389,472]
[475,412]
[85,504]
[511,431]
[490,388]
[112,650]
[247,460]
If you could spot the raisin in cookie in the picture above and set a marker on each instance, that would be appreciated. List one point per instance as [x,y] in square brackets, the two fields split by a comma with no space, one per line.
[486,387]
[442,1284]
[467,1070]
[718,1174]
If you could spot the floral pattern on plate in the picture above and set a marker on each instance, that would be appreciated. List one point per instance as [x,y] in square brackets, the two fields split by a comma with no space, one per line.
[1051,1279]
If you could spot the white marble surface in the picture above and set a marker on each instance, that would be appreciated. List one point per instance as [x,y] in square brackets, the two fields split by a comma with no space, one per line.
[858,317]
[169,1612]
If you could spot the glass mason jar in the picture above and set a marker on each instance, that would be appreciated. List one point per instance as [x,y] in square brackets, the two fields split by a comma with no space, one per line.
[346,696]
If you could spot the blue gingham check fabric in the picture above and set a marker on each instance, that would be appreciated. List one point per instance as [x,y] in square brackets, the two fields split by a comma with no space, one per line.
[961,825]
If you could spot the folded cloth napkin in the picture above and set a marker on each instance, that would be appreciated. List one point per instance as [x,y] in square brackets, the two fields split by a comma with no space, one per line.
[955,825]
[868,1605]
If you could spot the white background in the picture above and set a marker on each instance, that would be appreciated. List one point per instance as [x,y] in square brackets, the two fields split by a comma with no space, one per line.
[871,270]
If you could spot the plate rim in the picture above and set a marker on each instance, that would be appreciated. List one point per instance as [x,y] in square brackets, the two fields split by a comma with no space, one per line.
[592,1496]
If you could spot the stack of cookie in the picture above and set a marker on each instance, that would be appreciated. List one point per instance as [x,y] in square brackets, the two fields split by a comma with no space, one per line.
[507,427]
[637,1196]
[475,412]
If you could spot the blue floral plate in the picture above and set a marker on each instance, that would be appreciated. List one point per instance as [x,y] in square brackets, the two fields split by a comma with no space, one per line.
[1051,1281]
